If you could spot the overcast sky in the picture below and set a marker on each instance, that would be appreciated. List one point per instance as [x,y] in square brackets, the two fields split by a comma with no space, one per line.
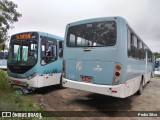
[52,16]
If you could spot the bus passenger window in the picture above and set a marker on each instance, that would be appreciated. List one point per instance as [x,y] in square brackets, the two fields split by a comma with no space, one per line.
[136,42]
[129,42]
[132,46]
[141,51]
[60,49]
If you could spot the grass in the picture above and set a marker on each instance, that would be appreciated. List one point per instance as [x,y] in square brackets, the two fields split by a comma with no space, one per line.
[11,99]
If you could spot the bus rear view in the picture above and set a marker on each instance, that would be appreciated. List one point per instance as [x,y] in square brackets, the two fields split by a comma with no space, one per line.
[105,56]
[89,56]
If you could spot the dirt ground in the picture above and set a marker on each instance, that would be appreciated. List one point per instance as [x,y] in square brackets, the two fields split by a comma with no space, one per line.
[55,99]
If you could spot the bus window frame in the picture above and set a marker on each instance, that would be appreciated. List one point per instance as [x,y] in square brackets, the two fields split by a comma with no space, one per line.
[76,37]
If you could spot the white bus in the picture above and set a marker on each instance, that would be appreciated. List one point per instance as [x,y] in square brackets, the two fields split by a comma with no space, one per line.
[105,56]
[3,59]
[157,67]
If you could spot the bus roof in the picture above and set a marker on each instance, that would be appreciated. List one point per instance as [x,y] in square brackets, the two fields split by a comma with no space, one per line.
[95,20]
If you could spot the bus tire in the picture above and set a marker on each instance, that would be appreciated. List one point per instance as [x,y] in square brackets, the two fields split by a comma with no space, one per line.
[139,92]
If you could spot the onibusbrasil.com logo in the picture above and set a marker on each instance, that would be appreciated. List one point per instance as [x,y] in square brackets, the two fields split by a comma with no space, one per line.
[21,115]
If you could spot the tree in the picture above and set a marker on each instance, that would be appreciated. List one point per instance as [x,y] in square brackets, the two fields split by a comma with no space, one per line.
[8,15]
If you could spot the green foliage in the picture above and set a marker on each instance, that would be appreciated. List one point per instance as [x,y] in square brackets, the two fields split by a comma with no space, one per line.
[8,15]
[157,55]
[4,83]
[11,99]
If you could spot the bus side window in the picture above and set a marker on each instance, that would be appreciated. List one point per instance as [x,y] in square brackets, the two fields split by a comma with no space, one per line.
[141,51]
[136,44]
[60,49]
[149,56]
[132,46]
[129,42]
[145,53]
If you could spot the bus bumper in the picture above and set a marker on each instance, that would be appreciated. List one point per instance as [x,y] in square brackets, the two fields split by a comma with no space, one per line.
[32,83]
[109,90]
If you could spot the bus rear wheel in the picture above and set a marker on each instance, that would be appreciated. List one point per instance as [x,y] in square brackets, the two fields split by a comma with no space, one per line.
[139,92]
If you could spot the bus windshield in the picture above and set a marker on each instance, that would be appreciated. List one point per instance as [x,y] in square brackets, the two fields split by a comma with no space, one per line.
[97,34]
[23,52]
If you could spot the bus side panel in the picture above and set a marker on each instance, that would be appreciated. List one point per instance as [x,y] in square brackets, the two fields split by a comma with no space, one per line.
[130,66]
[52,79]
[50,73]
[97,63]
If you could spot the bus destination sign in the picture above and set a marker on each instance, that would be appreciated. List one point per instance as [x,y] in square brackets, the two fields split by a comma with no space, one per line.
[23,36]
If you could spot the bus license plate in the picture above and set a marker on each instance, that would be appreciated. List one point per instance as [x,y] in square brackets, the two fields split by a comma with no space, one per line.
[86,79]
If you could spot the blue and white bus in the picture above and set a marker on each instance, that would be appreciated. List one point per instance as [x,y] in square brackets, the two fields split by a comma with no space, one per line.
[157,67]
[105,56]
[3,59]
[35,59]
